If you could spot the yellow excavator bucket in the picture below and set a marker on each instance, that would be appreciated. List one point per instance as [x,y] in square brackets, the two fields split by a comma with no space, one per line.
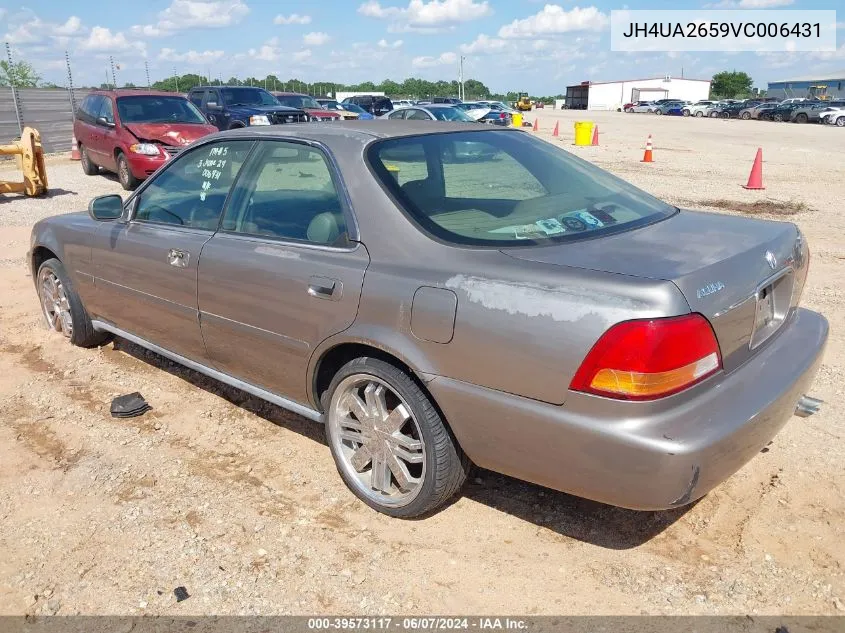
[29,155]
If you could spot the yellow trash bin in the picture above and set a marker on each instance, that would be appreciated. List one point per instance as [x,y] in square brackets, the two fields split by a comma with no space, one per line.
[583,132]
[516,119]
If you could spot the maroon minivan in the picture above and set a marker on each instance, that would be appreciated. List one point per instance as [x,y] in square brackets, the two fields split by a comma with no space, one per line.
[134,132]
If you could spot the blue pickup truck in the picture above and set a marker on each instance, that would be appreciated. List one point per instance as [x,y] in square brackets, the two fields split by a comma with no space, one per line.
[231,107]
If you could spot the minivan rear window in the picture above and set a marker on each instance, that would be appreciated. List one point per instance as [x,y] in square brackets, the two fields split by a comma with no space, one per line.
[506,188]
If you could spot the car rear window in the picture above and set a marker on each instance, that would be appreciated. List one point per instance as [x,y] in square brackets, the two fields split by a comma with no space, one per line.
[506,188]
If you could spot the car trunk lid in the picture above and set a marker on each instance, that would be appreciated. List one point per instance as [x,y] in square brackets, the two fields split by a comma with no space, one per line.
[742,274]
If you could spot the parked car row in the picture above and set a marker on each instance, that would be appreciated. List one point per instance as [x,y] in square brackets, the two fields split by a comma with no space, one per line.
[794,109]
[134,132]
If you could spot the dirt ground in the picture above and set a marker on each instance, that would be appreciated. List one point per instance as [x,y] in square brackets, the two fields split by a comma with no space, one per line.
[239,502]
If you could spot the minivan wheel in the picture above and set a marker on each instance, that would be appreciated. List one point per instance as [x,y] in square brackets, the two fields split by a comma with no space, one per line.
[124,174]
[389,443]
[88,168]
[62,308]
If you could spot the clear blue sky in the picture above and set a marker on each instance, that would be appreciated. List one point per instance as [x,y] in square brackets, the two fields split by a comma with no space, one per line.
[522,45]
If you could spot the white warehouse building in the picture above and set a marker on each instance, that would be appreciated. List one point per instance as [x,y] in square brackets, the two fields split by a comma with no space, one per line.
[612,95]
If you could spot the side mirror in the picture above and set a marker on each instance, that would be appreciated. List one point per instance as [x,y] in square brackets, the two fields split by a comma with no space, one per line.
[104,121]
[103,208]
[213,105]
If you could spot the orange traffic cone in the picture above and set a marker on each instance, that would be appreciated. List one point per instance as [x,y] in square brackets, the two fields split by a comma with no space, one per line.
[647,157]
[755,178]
[74,150]
[595,135]
[556,131]
[536,125]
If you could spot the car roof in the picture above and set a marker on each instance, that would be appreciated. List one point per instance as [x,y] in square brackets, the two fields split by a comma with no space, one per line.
[130,92]
[205,87]
[363,130]
[289,94]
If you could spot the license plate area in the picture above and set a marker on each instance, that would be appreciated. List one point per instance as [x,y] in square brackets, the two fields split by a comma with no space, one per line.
[773,298]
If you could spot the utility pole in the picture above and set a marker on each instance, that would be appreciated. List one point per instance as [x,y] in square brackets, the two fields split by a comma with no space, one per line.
[70,84]
[176,78]
[461,94]
[147,70]
[113,78]
[15,95]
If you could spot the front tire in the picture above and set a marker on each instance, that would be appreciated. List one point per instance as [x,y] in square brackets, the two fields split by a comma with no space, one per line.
[840,122]
[745,116]
[801,118]
[699,114]
[62,308]
[778,118]
[686,112]
[88,168]
[389,442]
[124,174]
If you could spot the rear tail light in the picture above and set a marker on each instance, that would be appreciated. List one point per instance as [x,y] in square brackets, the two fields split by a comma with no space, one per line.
[650,358]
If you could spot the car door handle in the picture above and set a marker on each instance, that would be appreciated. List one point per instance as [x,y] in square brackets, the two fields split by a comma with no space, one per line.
[178,258]
[324,288]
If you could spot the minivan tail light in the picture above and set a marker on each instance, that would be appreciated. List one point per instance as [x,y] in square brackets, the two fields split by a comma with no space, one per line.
[650,358]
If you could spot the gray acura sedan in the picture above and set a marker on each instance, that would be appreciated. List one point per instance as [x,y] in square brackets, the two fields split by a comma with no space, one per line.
[452,295]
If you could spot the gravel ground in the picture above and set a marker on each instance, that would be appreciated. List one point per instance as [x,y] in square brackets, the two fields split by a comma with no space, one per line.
[238,501]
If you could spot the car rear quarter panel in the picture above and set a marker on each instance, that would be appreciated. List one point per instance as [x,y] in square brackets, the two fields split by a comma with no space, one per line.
[521,327]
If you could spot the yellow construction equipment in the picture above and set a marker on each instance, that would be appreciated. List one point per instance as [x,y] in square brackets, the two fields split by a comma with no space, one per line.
[29,156]
[523,103]
[818,92]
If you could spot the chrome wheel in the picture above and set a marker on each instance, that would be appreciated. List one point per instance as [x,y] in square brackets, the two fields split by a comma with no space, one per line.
[377,440]
[54,302]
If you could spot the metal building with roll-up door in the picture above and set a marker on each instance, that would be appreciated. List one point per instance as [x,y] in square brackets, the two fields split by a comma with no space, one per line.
[612,95]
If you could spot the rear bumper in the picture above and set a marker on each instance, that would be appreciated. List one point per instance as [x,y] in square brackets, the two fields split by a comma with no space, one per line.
[644,456]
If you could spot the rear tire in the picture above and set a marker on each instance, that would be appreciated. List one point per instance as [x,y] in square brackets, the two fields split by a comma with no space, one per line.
[62,308]
[379,423]
[778,118]
[745,116]
[699,114]
[801,118]
[88,168]
[658,112]
[124,174]
[840,122]
[686,112]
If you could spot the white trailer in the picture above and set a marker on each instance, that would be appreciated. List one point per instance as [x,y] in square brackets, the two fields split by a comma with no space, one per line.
[340,96]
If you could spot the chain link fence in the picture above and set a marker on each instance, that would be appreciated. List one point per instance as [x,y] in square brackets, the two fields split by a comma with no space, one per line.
[48,110]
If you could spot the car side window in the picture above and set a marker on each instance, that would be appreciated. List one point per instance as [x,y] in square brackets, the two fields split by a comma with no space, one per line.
[417,115]
[288,192]
[90,108]
[192,190]
[212,96]
[196,98]
[397,114]
[106,110]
